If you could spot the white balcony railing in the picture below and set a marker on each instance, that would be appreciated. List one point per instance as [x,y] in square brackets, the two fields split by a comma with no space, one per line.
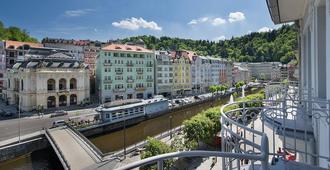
[252,132]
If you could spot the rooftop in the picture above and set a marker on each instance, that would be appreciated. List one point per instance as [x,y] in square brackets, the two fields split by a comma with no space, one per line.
[126,48]
[17,44]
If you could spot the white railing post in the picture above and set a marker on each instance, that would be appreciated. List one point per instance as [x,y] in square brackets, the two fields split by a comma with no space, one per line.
[265,152]
[160,165]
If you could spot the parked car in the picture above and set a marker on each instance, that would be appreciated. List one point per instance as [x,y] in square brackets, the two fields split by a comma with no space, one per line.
[178,101]
[59,113]
[58,123]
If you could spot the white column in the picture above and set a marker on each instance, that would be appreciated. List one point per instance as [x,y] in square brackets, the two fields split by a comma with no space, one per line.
[327,46]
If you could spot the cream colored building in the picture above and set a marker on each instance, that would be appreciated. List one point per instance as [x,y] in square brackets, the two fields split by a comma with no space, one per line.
[53,81]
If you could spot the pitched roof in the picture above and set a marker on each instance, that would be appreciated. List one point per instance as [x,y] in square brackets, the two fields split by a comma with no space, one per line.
[183,53]
[125,47]
[17,44]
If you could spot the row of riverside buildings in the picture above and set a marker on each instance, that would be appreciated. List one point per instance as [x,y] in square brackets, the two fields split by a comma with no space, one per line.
[60,72]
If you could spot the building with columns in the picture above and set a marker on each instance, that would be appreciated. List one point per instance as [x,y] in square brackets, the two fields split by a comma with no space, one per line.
[54,80]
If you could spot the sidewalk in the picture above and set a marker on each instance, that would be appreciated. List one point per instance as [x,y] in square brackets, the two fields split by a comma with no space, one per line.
[23,137]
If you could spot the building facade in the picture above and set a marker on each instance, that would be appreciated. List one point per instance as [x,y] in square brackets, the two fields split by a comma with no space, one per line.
[206,71]
[2,67]
[75,48]
[181,61]
[53,81]
[163,73]
[240,73]
[125,72]
[264,70]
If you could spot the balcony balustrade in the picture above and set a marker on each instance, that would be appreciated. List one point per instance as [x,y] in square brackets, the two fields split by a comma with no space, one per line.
[129,64]
[107,81]
[130,81]
[119,72]
[107,64]
[140,88]
[139,72]
[119,90]
[254,130]
[149,80]
[150,65]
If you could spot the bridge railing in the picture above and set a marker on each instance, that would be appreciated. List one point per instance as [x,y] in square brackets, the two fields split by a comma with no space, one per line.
[51,140]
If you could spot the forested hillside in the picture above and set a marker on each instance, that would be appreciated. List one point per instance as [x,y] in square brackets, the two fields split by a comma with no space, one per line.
[277,45]
[15,33]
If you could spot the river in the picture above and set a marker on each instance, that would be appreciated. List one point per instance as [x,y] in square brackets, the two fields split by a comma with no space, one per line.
[46,158]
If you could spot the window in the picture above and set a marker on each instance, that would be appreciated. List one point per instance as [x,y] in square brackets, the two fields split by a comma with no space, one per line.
[129,85]
[122,54]
[107,87]
[119,78]
[115,54]
[22,85]
[149,84]
[107,116]
[135,55]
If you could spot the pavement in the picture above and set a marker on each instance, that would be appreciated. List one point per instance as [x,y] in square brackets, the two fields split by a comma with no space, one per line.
[10,128]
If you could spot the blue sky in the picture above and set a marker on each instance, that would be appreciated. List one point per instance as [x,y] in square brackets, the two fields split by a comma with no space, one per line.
[112,19]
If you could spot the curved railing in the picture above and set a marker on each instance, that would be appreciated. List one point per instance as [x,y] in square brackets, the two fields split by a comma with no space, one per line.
[160,158]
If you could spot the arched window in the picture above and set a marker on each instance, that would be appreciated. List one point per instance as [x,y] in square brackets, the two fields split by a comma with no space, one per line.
[51,101]
[73,99]
[73,83]
[62,100]
[51,84]
[62,84]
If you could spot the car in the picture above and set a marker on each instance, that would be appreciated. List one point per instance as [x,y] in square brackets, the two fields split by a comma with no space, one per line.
[58,123]
[59,113]
[170,105]
[178,101]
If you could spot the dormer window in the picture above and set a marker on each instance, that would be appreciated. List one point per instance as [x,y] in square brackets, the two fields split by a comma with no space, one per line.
[117,47]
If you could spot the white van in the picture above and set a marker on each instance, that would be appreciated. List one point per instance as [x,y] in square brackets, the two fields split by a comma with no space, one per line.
[58,123]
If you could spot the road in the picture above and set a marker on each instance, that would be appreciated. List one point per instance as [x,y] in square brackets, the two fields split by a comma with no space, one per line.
[10,128]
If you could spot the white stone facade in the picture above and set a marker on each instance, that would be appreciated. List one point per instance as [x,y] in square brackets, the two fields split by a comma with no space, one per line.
[164,73]
[46,87]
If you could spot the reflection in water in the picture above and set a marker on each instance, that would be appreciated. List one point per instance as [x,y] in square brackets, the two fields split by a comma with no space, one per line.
[114,141]
[44,159]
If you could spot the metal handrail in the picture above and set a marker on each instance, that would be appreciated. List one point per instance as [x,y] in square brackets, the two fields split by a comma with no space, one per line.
[51,140]
[160,158]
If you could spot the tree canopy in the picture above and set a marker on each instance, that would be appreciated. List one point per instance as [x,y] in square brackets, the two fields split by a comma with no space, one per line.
[277,45]
[15,34]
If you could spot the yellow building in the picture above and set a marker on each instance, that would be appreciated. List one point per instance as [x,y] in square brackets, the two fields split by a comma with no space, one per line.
[181,61]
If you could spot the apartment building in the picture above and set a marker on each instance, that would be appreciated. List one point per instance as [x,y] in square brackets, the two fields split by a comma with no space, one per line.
[263,70]
[181,61]
[125,71]
[206,71]
[163,73]
[47,81]
[76,48]
[241,73]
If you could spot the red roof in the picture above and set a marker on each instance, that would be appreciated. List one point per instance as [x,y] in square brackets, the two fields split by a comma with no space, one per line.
[17,44]
[125,47]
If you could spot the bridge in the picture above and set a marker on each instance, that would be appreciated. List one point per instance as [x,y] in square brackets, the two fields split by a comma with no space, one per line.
[73,150]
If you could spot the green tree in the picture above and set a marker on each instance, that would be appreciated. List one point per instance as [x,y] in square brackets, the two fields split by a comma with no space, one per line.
[156,147]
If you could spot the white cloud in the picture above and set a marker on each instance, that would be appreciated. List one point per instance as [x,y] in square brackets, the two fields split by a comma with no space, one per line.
[77,13]
[265,29]
[222,37]
[236,16]
[218,21]
[198,21]
[136,23]
[213,21]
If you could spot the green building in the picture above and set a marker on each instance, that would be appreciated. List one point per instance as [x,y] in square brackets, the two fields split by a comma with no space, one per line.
[125,72]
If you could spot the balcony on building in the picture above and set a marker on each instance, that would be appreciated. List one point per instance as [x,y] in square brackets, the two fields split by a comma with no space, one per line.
[150,80]
[107,64]
[107,81]
[150,65]
[119,90]
[119,72]
[139,71]
[130,80]
[140,88]
[128,64]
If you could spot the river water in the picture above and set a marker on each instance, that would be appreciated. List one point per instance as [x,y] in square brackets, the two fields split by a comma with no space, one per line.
[46,158]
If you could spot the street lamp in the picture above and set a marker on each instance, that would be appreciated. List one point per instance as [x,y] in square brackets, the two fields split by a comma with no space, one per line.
[170,127]
[124,137]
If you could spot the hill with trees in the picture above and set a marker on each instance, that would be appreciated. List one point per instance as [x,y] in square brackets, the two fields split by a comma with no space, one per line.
[15,34]
[277,45]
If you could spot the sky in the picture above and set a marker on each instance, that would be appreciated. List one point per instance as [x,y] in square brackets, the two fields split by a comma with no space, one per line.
[112,19]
